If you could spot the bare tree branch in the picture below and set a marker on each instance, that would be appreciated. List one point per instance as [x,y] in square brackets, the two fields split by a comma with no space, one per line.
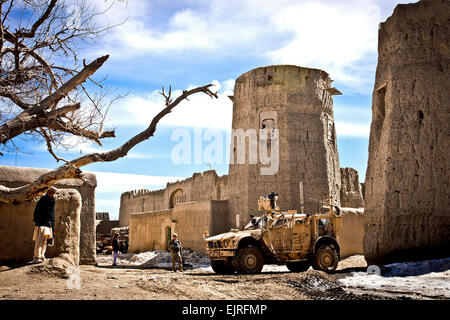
[71,170]
[26,120]
[40,71]
[38,23]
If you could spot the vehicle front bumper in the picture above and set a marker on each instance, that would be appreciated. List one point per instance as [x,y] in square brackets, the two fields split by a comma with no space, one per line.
[220,254]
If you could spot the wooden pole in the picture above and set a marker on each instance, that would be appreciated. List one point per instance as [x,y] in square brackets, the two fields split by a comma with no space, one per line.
[302,208]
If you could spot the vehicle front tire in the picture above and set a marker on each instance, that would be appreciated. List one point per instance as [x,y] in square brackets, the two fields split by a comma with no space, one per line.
[220,267]
[248,260]
[325,259]
[298,266]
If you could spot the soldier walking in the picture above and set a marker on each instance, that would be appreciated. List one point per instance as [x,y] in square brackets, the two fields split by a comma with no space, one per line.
[175,250]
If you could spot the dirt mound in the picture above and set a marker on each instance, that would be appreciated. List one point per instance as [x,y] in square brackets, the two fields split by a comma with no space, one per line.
[57,267]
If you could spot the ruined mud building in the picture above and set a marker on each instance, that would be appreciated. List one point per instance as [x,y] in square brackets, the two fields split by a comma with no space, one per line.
[75,219]
[407,187]
[295,100]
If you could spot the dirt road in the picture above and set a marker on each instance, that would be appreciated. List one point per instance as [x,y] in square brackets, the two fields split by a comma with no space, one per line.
[132,281]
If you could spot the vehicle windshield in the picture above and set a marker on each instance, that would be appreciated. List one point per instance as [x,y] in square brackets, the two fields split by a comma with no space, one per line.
[280,222]
[256,225]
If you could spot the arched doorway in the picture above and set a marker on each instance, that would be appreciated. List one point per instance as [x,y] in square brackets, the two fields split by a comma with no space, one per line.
[177,196]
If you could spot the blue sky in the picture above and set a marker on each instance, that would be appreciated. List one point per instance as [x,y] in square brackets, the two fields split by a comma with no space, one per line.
[194,42]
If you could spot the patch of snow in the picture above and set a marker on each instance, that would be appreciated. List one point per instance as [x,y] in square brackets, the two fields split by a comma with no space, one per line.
[274,268]
[429,278]
[163,259]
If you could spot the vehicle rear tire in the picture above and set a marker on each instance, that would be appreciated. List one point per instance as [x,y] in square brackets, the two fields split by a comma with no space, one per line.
[248,260]
[220,267]
[299,266]
[325,259]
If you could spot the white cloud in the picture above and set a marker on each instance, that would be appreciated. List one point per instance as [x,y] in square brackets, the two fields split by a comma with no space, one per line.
[111,182]
[349,129]
[330,37]
[110,185]
[363,111]
[75,145]
[337,36]
[199,111]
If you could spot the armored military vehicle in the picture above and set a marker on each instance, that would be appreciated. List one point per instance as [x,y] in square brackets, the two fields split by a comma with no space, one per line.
[297,240]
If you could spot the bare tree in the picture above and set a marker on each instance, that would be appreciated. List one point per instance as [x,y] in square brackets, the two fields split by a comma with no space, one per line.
[41,77]
[41,96]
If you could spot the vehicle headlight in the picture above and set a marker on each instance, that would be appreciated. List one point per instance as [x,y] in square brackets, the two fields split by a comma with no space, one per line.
[226,243]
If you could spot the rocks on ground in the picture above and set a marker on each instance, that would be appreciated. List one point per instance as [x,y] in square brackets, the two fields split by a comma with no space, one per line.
[58,267]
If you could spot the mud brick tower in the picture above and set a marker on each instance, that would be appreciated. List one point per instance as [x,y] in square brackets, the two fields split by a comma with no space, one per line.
[298,102]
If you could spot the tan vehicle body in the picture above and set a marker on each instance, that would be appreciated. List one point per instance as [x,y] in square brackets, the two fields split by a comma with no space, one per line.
[297,240]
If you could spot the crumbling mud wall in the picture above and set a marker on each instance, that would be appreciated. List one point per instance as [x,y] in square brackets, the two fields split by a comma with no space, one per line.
[105,227]
[201,186]
[17,227]
[149,230]
[298,103]
[153,230]
[192,219]
[18,176]
[407,185]
[102,223]
[351,190]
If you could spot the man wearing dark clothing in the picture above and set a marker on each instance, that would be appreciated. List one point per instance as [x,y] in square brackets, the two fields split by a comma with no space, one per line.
[175,250]
[115,248]
[44,219]
[254,222]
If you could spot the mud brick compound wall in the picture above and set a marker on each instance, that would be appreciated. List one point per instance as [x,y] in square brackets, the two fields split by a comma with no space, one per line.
[152,230]
[351,189]
[18,176]
[201,186]
[407,187]
[17,226]
[352,233]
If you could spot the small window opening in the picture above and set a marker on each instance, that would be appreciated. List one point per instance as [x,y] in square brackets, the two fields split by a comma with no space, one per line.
[420,116]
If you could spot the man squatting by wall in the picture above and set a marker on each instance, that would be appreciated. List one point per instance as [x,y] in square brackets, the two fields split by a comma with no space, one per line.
[44,219]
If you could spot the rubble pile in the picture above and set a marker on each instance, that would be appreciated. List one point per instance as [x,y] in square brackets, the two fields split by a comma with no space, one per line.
[163,259]
[317,285]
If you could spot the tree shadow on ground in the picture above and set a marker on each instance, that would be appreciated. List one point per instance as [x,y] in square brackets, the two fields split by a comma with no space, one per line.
[415,268]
